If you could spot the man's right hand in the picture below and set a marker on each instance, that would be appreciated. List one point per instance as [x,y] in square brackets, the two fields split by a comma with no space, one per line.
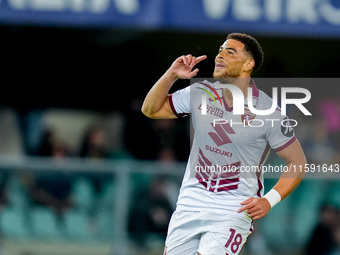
[182,67]
[156,104]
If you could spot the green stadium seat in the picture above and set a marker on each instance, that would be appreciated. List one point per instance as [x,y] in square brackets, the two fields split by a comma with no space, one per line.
[78,226]
[45,224]
[13,223]
[105,221]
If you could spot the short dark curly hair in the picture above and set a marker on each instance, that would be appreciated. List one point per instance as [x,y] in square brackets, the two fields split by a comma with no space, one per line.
[251,46]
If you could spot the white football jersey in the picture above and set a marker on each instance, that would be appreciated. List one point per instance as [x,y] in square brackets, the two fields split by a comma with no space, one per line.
[228,150]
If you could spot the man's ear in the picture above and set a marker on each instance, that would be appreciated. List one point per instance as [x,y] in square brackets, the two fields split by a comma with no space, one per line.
[248,65]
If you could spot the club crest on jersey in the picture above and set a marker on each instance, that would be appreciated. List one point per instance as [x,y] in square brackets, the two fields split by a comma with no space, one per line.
[247,117]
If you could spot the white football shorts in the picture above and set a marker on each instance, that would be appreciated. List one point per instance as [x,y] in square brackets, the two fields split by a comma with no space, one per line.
[208,233]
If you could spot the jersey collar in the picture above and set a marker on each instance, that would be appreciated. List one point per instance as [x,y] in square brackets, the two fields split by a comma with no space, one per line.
[255,92]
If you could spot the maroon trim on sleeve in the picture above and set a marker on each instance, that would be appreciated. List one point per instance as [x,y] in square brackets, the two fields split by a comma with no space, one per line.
[178,115]
[172,105]
[286,144]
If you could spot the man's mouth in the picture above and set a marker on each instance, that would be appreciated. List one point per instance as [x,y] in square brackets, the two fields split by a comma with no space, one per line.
[220,66]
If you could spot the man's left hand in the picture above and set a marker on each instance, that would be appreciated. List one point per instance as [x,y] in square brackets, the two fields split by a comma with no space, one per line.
[256,208]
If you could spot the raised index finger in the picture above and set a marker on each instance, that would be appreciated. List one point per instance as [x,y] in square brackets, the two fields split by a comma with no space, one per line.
[200,58]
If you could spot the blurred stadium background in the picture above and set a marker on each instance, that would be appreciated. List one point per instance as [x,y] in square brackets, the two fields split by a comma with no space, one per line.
[82,171]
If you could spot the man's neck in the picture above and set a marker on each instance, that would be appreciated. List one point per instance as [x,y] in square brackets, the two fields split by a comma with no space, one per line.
[241,83]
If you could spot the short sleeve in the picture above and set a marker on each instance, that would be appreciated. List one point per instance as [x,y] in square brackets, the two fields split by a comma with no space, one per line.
[279,131]
[180,102]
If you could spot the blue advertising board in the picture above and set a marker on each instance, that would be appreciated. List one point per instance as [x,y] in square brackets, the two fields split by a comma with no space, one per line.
[316,18]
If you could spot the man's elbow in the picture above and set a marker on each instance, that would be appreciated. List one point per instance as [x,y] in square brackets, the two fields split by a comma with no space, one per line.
[147,112]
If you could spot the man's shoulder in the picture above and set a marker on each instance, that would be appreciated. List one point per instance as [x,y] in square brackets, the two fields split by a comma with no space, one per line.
[201,86]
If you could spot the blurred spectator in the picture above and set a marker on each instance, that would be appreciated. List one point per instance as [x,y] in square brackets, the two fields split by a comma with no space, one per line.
[93,144]
[167,137]
[173,139]
[152,211]
[323,238]
[52,189]
[94,147]
[46,145]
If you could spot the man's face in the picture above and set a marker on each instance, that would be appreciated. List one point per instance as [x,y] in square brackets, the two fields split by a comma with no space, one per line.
[230,59]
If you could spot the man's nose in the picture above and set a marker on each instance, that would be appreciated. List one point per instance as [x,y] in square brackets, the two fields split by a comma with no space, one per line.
[220,55]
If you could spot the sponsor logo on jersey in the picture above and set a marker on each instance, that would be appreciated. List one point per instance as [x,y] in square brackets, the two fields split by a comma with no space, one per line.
[221,136]
[219,151]
[214,111]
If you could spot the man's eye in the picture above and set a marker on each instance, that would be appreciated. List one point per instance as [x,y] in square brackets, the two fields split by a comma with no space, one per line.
[230,52]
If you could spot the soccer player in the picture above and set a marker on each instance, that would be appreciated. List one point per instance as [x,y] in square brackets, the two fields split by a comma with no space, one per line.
[215,209]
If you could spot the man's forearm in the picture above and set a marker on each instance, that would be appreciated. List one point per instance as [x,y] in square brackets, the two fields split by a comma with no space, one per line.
[158,94]
[296,161]
[291,179]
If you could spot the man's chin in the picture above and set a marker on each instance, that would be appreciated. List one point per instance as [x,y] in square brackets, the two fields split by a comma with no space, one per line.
[218,75]
[225,75]
[225,79]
